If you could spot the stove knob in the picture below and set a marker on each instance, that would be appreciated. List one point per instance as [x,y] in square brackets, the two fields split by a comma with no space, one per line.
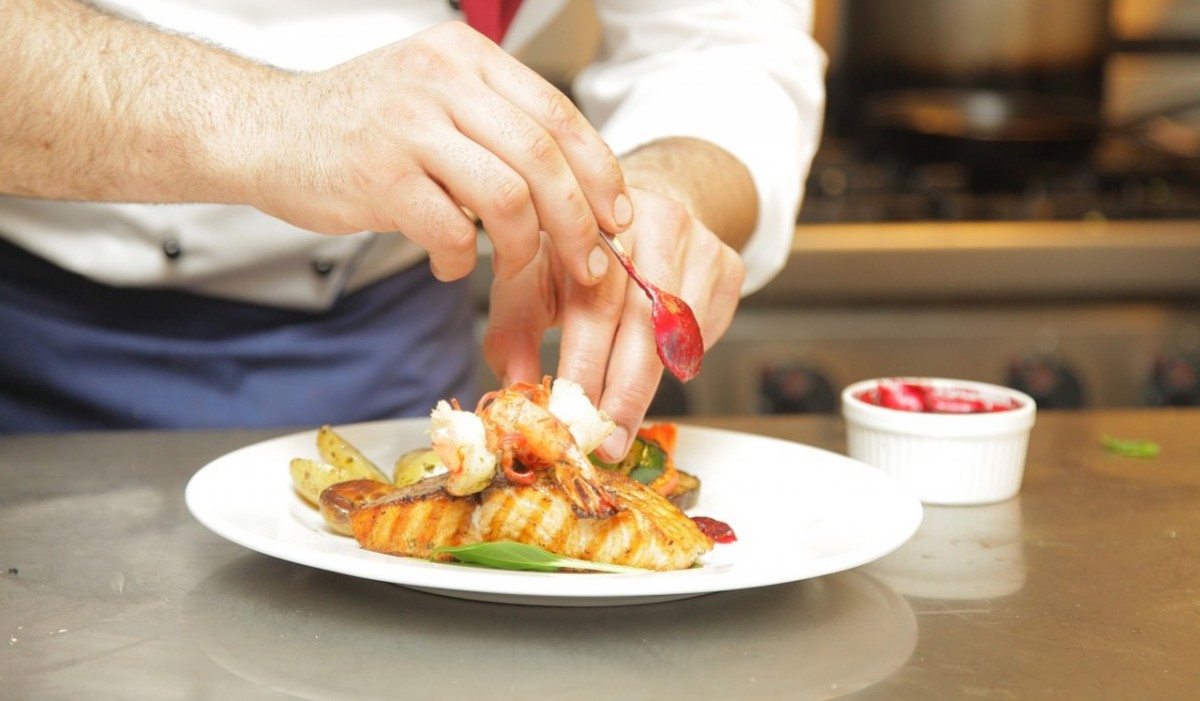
[795,389]
[1048,380]
[1174,380]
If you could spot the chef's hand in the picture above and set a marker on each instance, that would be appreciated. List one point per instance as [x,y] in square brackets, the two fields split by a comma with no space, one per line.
[398,139]
[607,338]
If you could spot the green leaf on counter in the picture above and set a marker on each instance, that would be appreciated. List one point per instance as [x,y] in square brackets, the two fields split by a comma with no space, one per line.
[509,555]
[1131,448]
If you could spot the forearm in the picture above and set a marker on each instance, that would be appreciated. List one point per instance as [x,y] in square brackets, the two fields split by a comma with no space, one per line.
[94,107]
[714,186]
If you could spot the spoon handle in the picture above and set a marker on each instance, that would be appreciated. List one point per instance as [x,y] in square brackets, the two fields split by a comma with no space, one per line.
[627,262]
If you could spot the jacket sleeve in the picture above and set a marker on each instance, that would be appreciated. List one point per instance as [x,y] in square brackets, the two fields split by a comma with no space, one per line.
[745,75]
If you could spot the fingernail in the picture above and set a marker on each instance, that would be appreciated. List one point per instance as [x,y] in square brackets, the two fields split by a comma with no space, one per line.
[623,211]
[614,446]
[597,262]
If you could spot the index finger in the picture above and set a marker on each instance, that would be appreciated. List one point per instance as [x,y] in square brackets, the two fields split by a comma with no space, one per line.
[571,161]
[607,346]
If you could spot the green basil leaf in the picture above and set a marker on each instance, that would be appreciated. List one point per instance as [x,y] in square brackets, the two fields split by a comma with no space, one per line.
[1131,448]
[509,555]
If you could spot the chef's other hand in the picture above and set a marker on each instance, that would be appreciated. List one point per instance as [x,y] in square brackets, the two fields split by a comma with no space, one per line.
[607,338]
[400,139]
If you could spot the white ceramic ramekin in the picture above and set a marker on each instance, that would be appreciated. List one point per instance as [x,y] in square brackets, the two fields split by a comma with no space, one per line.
[976,458]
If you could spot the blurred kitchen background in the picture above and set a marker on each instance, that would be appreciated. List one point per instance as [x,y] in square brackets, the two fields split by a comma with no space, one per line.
[1007,191]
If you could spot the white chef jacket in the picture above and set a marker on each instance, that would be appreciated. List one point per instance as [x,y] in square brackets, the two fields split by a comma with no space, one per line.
[744,74]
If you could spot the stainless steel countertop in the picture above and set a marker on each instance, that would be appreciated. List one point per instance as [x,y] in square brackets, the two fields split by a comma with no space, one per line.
[1087,586]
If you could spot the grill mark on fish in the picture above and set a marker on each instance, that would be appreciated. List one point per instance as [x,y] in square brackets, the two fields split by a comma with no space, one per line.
[534,516]
[498,509]
[428,525]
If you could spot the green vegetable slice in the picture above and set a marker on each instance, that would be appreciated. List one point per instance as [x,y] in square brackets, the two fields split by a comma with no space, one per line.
[1131,448]
[509,555]
[626,464]
[646,475]
[645,461]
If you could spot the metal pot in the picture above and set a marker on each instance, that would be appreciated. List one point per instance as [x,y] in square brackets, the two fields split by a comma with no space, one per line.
[974,78]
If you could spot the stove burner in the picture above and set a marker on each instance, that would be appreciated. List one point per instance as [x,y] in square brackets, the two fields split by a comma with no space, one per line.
[1123,179]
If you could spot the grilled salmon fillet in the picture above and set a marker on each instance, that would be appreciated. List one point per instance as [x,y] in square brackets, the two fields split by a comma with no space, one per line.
[647,530]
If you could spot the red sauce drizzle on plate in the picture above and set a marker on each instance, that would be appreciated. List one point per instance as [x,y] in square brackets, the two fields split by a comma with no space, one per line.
[718,531]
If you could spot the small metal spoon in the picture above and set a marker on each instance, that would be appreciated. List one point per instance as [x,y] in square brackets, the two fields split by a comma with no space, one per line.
[676,333]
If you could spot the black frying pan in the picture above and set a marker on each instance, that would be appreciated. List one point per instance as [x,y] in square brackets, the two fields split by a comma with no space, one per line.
[982,127]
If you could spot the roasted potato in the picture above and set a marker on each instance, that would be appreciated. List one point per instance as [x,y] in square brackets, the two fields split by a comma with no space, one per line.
[311,477]
[336,451]
[416,464]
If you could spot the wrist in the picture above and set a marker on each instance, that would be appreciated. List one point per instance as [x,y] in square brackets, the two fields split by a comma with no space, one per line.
[242,135]
[659,167]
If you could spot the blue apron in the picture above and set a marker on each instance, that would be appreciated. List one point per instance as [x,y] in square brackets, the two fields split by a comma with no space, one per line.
[79,355]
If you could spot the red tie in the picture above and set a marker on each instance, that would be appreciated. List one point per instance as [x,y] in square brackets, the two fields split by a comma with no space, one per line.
[490,17]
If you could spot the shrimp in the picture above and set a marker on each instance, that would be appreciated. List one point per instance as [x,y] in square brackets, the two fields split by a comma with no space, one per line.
[589,426]
[460,440]
[524,429]
[527,437]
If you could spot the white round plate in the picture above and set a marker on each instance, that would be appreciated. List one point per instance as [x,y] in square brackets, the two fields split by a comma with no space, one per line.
[798,511]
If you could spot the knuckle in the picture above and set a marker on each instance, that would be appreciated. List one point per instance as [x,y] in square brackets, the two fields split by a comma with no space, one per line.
[423,57]
[676,216]
[544,151]
[572,223]
[611,168]
[458,238]
[589,365]
[581,222]
[605,301]
[510,196]
[709,247]
[449,34]
[628,391]
[559,115]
